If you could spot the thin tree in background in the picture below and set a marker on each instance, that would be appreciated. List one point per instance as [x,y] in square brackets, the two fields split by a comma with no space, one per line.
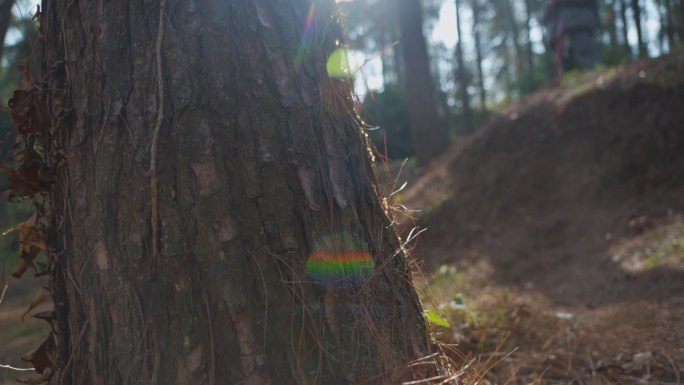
[681,20]
[531,81]
[504,29]
[462,72]
[504,52]
[513,27]
[623,29]
[611,23]
[668,27]
[636,14]
[675,26]
[661,9]
[427,133]
[5,21]
[477,35]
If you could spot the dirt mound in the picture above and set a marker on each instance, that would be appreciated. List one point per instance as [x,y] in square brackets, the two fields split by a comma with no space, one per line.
[554,181]
[575,195]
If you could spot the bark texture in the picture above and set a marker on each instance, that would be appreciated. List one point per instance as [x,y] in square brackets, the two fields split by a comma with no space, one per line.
[260,163]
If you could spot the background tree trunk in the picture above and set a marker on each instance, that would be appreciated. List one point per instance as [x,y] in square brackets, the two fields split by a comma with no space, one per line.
[531,80]
[262,171]
[513,27]
[462,72]
[5,20]
[611,26]
[669,30]
[477,34]
[681,20]
[636,13]
[624,30]
[427,133]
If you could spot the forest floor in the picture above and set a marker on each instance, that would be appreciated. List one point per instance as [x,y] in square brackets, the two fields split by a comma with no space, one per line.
[18,337]
[555,234]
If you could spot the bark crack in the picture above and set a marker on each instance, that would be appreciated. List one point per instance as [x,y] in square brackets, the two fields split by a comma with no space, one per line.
[154,194]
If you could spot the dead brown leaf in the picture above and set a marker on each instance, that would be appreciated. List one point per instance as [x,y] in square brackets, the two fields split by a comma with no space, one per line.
[40,298]
[28,111]
[45,356]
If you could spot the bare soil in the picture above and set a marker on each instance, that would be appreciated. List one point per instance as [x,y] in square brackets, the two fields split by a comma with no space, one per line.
[564,214]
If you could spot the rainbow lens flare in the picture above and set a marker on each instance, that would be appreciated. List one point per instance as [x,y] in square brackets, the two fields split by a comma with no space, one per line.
[307,36]
[341,260]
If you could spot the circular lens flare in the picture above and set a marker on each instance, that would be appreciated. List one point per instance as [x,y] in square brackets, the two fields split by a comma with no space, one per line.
[344,63]
[340,259]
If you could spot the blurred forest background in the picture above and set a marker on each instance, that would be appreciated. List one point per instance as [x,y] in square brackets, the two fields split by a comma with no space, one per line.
[481,55]
[498,57]
[478,73]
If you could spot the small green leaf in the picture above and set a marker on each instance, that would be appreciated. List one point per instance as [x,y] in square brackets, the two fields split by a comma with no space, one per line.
[434,318]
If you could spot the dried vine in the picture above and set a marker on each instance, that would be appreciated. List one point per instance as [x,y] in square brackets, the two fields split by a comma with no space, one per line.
[154,194]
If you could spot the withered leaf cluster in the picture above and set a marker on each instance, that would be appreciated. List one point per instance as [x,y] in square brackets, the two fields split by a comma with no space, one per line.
[30,178]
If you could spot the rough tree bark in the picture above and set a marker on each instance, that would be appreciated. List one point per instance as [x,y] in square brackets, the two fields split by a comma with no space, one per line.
[261,171]
[427,133]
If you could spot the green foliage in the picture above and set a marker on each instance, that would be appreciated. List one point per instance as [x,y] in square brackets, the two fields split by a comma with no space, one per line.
[672,249]
[434,318]
[387,111]
[614,55]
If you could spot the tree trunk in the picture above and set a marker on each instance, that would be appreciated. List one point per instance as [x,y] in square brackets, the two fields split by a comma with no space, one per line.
[5,19]
[611,26]
[275,261]
[531,81]
[398,57]
[390,72]
[636,13]
[669,28]
[462,72]
[427,133]
[477,33]
[661,7]
[681,20]
[623,20]
[515,35]
[505,71]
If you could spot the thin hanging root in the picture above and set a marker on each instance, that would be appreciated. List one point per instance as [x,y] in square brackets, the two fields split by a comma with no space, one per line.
[154,195]
[17,369]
